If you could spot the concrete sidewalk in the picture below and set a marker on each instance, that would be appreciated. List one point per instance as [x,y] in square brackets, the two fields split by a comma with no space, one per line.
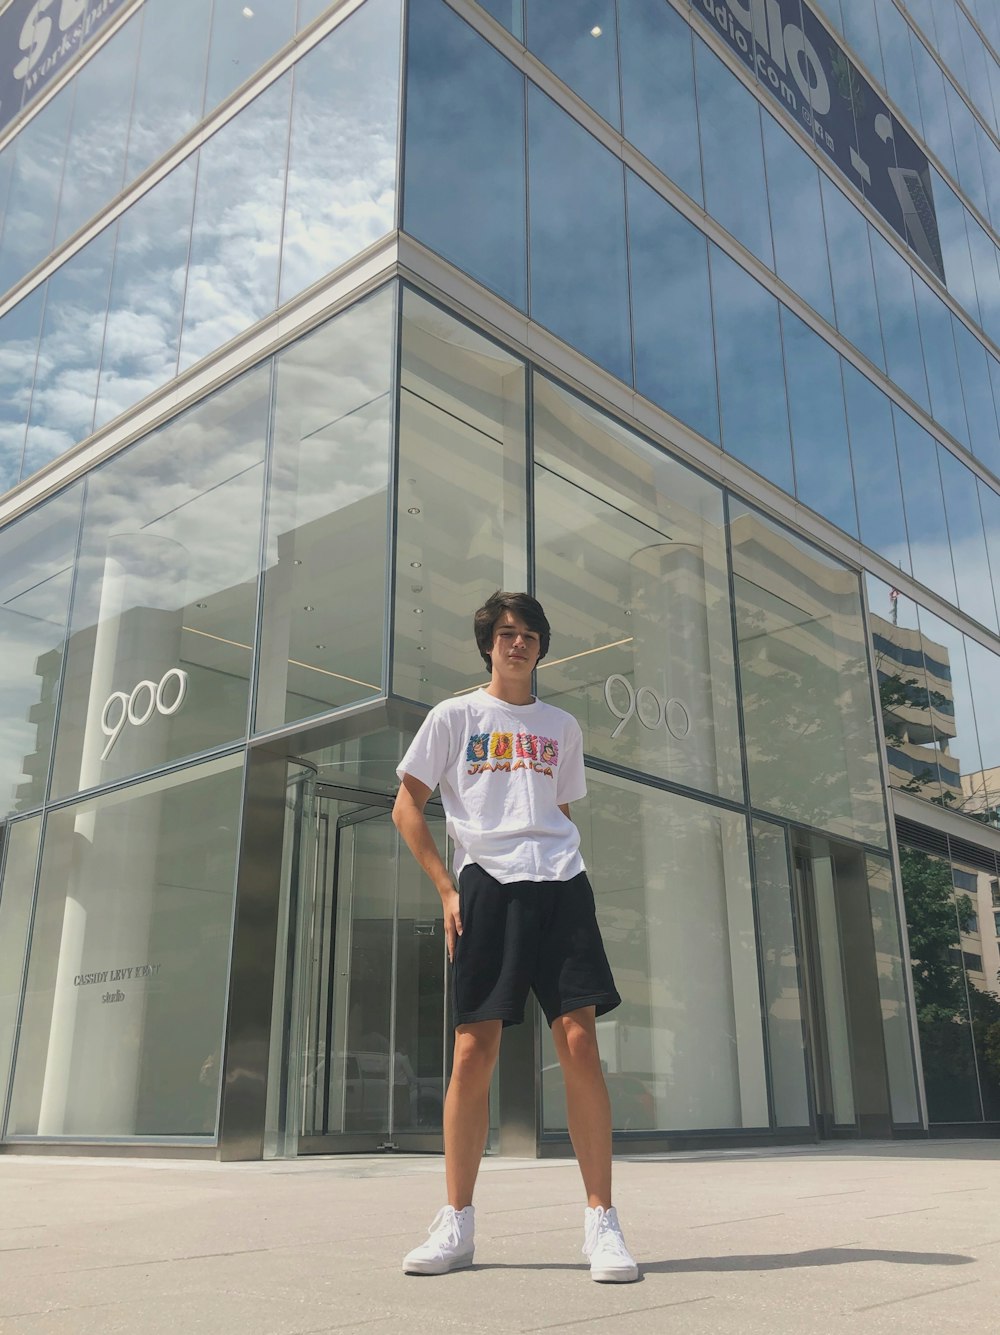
[843,1238]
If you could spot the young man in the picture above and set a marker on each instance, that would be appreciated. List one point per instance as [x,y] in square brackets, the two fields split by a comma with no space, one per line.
[521,918]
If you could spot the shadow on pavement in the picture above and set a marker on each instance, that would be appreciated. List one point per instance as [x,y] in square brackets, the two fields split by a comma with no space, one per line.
[794,1260]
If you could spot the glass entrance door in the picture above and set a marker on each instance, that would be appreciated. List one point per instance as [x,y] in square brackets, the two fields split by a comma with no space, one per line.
[372,965]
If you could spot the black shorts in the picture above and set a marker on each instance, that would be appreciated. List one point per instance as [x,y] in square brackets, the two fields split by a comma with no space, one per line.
[538,935]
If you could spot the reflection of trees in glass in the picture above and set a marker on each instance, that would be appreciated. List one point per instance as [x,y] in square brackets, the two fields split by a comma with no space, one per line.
[951,1039]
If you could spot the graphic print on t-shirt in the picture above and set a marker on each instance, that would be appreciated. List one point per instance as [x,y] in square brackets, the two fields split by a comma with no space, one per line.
[507,751]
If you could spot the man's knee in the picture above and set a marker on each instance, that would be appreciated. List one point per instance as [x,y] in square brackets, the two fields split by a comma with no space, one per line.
[476,1048]
[576,1038]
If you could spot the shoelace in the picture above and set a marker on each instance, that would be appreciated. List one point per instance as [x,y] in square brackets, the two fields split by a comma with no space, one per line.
[602,1232]
[445,1229]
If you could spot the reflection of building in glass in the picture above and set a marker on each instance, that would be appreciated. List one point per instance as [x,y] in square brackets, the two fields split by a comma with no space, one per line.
[361,312]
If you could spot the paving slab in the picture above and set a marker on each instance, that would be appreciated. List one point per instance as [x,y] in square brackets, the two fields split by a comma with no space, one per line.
[840,1239]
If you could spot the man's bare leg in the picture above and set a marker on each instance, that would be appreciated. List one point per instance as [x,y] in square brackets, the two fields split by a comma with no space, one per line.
[588,1108]
[467,1107]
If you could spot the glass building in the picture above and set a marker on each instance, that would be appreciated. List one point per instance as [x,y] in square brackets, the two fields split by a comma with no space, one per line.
[318,323]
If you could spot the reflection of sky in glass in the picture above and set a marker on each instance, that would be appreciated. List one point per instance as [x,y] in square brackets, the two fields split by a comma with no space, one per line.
[850,265]
[19,330]
[243,38]
[941,361]
[876,472]
[898,313]
[797,212]
[170,85]
[341,193]
[977,392]
[968,544]
[233,268]
[30,216]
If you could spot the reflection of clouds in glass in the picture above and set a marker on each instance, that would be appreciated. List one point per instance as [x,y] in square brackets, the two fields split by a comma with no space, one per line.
[342,161]
[30,214]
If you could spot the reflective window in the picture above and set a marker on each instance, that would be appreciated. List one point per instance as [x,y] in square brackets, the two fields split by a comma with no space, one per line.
[984,263]
[968,543]
[898,316]
[861,31]
[95,158]
[465,182]
[508,12]
[793,179]
[325,567]
[16,895]
[674,354]
[977,392]
[37,554]
[232,277]
[341,193]
[579,277]
[147,290]
[807,703]
[954,245]
[783,989]
[983,669]
[890,964]
[158,659]
[578,40]
[460,510]
[966,140]
[900,81]
[170,84]
[69,353]
[657,64]
[243,38]
[33,197]
[824,478]
[638,541]
[930,551]
[19,332]
[989,504]
[933,107]
[732,154]
[988,157]
[853,281]
[751,375]
[682,1051]
[953,714]
[124,1011]
[941,361]
[876,471]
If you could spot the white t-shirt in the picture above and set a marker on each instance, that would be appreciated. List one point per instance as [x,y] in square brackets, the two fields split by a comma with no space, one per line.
[503,770]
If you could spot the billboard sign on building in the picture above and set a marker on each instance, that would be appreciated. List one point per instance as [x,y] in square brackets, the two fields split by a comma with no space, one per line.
[38,40]
[805,70]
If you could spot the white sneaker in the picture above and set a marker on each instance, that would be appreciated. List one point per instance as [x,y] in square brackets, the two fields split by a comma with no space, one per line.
[450,1244]
[611,1262]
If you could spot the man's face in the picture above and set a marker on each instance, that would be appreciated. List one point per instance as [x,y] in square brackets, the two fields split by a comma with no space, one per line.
[515,648]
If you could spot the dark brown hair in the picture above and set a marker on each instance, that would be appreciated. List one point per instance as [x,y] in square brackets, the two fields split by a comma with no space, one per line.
[518,604]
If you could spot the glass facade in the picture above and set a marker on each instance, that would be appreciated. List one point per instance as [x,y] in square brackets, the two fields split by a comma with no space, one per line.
[316,328]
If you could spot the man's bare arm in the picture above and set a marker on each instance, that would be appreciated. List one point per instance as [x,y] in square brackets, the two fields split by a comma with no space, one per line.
[409,819]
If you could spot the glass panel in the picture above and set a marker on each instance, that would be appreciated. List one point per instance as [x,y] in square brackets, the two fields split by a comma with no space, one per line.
[170,85]
[36,567]
[637,540]
[793,182]
[465,175]
[933,108]
[861,31]
[19,333]
[325,569]
[988,157]
[853,280]
[732,154]
[968,542]
[232,279]
[95,159]
[32,201]
[915,719]
[941,361]
[953,715]
[69,353]
[824,479]
[341,193]
[579,42]
[984,264]
[989,504]
[579,277]
[807,701]
[984,667]
[674,356]
[461,523]
[685,1049]
[243,38]
[147,292]
[923,499]
[954,244]
[900,81]
[751,375]
[898,316]
[876,471]
[892,992]
[943,1025]
[507,12]
[163,616]
[980,410]
[125,1004]
[966,141]
[783,994]
[980,960]
[16,896]
[657,65]
[823,878]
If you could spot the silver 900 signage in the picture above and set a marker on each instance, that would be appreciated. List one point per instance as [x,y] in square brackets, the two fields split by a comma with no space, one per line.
[136,708]
[38,39]
[652,712]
